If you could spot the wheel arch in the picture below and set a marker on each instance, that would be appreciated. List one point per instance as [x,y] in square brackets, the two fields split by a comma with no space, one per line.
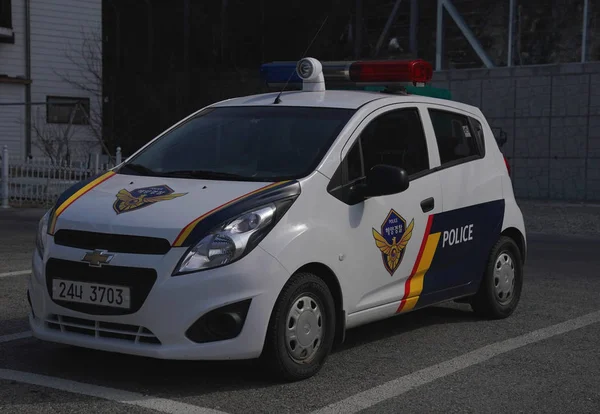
[519,239]
[325,273]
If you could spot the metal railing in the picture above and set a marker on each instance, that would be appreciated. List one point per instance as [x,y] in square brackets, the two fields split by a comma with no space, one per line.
[511,26]
[38,182]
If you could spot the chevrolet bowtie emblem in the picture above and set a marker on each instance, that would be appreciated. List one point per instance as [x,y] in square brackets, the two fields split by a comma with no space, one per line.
[97,258]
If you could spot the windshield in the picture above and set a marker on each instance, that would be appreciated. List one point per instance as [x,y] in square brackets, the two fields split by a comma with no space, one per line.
[243,143]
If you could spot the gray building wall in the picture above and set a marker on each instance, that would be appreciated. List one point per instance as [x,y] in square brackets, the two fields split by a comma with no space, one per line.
[551,115]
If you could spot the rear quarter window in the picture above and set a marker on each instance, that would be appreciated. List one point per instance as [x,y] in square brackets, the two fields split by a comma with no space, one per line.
[479,135]
[459,137]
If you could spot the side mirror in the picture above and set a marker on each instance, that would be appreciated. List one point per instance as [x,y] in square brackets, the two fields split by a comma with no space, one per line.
[381,180]
[385,180]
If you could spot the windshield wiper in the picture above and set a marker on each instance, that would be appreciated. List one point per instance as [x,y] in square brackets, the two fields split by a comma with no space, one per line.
[139,169]
[206,174]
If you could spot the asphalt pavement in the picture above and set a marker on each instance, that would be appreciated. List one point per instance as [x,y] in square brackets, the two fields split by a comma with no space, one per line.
[544,358]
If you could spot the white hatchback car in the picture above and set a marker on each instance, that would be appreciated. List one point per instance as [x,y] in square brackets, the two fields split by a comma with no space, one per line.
[266,226]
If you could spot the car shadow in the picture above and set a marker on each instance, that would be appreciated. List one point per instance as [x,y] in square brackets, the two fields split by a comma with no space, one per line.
[402,324]
[173,379]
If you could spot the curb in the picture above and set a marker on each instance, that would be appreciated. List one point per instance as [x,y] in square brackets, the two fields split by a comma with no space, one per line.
[561,218]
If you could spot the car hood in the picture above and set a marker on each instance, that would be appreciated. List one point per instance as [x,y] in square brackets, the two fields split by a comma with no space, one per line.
[152,206]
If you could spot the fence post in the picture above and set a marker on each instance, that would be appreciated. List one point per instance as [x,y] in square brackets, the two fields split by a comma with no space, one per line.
[118,156]
[96,163]
[5,177]
[584,31]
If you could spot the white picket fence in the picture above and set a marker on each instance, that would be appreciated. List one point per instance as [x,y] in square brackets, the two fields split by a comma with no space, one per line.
[38,182]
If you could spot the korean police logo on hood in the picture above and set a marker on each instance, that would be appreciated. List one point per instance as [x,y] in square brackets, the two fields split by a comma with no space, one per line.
[143,197]
[393,239]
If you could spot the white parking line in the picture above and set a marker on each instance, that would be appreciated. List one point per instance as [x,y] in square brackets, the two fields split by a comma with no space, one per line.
[19,273]
[125,397]
[14,337]
[399,386]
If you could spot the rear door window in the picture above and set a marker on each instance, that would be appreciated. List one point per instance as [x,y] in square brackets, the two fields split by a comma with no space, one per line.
[457,140]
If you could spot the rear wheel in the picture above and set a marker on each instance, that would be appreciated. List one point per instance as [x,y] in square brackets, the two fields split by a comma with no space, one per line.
[500,289]
[301,329]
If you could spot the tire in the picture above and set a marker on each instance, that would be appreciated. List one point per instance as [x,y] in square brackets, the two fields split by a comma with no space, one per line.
[306,293]
[499,303]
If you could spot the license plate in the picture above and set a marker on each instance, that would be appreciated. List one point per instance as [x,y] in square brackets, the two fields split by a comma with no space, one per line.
[91,293]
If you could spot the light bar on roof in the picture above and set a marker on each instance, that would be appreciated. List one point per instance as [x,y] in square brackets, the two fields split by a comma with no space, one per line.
[278,73]
[415,71]
[310,71]
[367,73]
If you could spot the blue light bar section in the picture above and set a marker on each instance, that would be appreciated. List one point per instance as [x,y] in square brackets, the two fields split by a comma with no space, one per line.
[279,73]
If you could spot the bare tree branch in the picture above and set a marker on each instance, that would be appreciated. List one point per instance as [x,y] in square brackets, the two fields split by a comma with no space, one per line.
[54,140]
[87,58]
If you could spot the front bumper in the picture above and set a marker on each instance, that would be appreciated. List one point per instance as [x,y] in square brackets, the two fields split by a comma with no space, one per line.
[173,304]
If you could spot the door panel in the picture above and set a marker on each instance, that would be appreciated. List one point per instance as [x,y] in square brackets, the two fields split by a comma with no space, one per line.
[464,236]
[473,206]
[385,233]
[391,231]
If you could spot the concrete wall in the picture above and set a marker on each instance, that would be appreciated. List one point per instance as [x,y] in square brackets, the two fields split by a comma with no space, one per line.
[551,115]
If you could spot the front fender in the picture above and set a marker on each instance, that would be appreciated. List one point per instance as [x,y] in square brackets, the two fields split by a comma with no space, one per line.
[295,245]
[307,233]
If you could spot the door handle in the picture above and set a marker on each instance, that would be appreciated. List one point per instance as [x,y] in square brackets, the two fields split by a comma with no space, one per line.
[427,204]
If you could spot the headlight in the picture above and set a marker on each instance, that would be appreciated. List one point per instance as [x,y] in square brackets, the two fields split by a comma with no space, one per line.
[232,240]
[40,240]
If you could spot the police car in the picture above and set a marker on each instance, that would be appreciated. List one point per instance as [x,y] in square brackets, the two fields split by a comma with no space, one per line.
[266,226]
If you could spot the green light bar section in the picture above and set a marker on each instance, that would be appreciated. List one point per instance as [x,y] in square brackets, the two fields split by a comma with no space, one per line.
[413,90]
[429,91]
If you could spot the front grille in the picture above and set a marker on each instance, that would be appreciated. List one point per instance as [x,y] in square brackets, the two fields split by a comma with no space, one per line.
[117,243]
[139,280]
[97,329]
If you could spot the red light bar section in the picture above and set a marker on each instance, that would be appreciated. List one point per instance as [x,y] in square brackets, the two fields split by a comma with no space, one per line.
[418,71]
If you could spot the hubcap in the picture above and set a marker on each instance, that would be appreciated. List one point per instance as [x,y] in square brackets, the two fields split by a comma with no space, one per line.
[504,278]
[304,328]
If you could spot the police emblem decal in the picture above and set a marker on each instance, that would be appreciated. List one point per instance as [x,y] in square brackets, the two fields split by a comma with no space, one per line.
[392,240]
[142,197]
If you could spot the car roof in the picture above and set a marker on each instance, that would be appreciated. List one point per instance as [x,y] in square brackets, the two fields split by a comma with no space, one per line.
[343,99]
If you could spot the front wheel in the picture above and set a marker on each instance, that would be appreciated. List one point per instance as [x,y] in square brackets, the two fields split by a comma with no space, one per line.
[301,329]
[500,289]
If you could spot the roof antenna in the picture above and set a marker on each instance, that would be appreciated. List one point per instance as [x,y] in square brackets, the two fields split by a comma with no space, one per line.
[277,100]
